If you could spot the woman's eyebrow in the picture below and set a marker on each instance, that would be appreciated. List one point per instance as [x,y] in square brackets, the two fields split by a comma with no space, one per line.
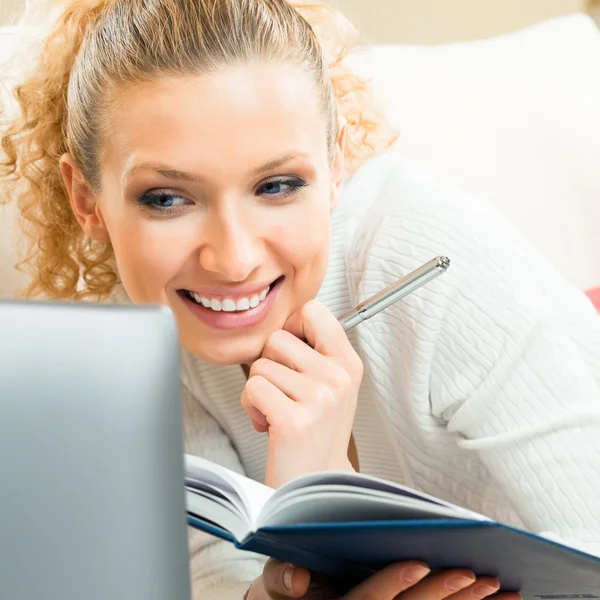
[164,170]
[278,161]
[178,175]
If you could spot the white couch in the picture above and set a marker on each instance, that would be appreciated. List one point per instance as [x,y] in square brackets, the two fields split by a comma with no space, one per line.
[514,119]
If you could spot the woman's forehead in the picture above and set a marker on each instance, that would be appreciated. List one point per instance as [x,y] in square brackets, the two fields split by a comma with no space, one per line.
[246,113]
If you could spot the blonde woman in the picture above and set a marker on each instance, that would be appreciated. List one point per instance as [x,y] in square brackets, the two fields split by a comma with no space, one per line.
[215,156]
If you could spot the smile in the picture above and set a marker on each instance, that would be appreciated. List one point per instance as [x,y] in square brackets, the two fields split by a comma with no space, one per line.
[228,304]
[227,312]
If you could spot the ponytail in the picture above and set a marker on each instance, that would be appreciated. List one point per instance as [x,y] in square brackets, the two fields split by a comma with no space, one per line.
[30,175]
[367,134]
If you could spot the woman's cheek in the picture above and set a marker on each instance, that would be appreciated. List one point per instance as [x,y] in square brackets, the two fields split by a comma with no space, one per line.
[147,261]
[308,254]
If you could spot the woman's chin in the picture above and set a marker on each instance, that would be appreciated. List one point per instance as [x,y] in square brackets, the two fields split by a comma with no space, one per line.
[226,352]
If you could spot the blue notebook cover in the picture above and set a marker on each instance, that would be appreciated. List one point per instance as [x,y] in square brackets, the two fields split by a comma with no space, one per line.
[349,525]
[534,566]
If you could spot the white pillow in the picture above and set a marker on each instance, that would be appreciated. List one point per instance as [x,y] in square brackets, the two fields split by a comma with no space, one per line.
[513,119]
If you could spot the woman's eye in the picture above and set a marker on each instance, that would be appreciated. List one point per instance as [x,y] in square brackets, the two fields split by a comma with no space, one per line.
[281,187]
[274,187]
[162,201]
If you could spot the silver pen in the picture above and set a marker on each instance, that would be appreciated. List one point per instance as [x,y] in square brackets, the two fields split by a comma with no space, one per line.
[401,288]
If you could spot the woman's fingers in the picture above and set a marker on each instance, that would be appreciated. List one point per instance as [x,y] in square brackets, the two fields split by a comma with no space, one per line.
[305,396]
[400,581]
[388,583]
[290,382]
[295,385]
[265,402]
[284,348]
[327,376]
[271,386]
[282,580]
[484,587]
[315,324]
[441,586]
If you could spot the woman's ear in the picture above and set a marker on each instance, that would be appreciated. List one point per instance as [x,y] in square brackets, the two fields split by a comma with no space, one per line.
[338,164]
[83,201]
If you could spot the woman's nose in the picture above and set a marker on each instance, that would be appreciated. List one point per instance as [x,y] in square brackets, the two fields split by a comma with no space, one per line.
[232,248]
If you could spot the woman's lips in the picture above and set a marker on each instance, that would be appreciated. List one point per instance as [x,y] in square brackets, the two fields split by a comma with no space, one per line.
[238,319]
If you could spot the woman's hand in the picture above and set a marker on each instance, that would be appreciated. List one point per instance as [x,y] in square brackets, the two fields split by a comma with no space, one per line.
[304,394]
[401,581]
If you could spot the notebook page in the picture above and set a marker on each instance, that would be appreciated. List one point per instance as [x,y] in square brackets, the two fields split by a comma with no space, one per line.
[332,505]
[211,508]
[248,495]
[366,484]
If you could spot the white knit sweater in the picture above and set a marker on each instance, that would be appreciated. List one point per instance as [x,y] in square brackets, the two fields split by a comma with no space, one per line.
[482,388]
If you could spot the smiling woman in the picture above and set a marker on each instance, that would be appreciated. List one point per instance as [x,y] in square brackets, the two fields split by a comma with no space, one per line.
[215,157]
[226,220]
[62,63]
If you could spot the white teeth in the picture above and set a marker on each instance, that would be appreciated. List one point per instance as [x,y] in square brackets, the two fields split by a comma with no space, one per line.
[243,304]
[229,305]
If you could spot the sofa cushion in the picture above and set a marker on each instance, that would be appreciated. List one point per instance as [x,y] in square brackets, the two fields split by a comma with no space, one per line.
[514,120]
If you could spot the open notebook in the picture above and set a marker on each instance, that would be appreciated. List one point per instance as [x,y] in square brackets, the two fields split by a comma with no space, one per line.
[348,525]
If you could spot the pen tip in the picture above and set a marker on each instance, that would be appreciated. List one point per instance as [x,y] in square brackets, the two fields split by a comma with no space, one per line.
[443,262]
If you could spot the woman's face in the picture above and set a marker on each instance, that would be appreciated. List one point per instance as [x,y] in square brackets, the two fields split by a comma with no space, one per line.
[215,195]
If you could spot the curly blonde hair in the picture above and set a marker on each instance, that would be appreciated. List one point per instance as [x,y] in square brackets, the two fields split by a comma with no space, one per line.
[96,45]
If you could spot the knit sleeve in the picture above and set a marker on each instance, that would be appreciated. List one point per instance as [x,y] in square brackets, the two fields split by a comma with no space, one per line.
[219,571]
[509,349]
[515,376]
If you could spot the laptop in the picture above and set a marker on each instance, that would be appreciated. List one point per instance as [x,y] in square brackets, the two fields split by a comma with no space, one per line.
[92,498]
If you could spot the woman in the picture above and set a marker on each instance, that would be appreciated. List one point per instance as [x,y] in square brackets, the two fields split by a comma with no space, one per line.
[215,156]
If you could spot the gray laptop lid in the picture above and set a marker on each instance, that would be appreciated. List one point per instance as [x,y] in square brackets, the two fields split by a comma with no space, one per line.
[92,499]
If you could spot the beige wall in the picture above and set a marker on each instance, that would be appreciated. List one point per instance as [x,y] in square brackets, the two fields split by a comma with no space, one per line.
[428,21]
[8,8]
[436,21]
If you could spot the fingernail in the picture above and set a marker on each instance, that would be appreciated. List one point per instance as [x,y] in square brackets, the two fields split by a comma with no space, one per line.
[288,573]
[259,427]
[459,582]
[258,417]
[415,574]
[484,590]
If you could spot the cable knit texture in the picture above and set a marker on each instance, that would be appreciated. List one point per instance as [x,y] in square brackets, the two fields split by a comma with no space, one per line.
[482,388]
